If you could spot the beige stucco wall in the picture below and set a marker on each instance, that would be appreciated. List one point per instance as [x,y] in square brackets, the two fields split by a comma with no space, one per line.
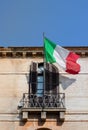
[14,82]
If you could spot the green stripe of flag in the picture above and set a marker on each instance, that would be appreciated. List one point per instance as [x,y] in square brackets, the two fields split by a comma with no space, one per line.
[49,47]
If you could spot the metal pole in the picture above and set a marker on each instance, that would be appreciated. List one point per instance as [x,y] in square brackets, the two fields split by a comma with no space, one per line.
[44,65]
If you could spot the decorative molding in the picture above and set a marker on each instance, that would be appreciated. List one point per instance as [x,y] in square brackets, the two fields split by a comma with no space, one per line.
[33,52]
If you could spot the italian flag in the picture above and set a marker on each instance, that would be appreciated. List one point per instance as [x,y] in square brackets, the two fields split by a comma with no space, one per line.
[65,58]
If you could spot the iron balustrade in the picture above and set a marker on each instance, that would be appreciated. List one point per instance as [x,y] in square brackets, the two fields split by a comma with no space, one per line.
[47,101]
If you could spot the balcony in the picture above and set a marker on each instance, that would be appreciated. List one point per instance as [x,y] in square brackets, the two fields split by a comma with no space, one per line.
[46,103]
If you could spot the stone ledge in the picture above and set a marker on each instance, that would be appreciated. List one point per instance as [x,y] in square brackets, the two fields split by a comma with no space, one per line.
[27,52]
[68,117]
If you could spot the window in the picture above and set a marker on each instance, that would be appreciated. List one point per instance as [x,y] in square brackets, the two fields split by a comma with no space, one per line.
[44,79]
[40,80]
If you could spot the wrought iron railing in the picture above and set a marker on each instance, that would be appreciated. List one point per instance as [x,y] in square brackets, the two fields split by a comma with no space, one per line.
[47,101]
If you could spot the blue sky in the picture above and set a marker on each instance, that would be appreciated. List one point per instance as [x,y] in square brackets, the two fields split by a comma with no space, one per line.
[22,22]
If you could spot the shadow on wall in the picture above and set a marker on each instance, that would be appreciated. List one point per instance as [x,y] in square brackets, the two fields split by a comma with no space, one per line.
[40,122]
[66,81]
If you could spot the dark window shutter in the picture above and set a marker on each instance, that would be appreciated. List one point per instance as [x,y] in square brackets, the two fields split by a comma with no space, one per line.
[46,78]
[51,78]
[33,77]
[54,78]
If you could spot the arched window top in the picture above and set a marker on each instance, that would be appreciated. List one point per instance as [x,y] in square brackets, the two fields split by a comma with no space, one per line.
[43,129]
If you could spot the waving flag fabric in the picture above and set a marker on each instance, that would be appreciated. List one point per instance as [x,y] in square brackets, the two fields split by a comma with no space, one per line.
[65,58]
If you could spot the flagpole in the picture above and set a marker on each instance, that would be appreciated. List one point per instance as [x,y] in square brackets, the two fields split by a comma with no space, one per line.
[43,65]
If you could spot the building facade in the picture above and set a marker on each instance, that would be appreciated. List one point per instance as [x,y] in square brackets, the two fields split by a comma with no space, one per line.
[60,104]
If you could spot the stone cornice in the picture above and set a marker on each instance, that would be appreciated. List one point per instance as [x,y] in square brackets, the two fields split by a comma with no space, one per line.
[27,52]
